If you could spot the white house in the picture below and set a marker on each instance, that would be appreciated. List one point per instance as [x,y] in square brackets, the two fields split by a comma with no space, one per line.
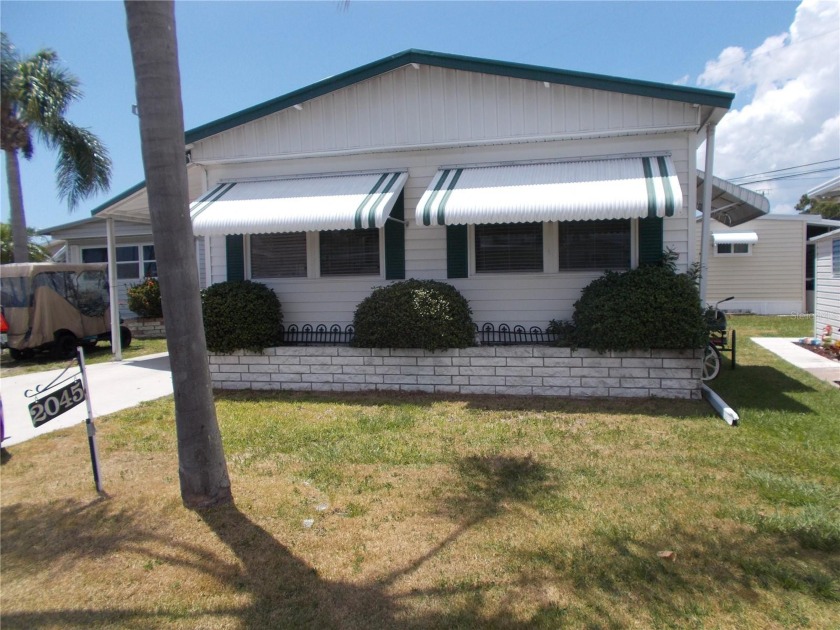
[517,184]
[766,263]
[827,290]
[827,267]
[86,241]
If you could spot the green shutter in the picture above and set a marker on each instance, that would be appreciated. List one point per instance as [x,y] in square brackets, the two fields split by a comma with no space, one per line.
[395,243]
[650,241]
[456,251]
[235,257]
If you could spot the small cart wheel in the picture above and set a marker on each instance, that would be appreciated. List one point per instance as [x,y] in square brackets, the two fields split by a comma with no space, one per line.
[65,345]
[125,336]
[711,363]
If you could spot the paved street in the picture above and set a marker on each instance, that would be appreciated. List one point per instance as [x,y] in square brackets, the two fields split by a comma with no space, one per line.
[112,386]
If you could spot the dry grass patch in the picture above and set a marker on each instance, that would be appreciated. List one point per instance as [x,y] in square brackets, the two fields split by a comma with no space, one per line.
[413,511]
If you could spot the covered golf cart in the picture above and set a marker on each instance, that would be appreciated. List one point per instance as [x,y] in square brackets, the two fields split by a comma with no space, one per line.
[56,307]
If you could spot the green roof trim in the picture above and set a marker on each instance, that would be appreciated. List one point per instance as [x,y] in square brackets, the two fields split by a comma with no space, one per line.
[634,87]
[469,64]
[123,195]
[63,226]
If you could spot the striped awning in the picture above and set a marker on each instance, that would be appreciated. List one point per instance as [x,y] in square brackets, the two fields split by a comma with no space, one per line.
[617,188]
[303,204]
[732,238]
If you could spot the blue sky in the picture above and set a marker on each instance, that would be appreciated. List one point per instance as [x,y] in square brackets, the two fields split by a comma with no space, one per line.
[236,54]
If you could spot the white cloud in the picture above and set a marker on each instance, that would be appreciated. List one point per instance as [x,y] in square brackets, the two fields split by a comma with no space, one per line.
[794,115]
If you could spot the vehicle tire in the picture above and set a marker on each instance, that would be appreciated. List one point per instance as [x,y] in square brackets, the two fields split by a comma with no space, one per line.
[20,355]
[65,345]
[125,336]
[711,363]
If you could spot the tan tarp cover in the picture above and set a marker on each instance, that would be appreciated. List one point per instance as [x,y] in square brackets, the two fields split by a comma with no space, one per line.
[50,312]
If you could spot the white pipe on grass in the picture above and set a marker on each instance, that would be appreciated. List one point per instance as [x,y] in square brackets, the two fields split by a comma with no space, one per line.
[723,410]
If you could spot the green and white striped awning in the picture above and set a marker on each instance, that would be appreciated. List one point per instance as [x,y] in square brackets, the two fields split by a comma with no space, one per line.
[619,188]
[302,204]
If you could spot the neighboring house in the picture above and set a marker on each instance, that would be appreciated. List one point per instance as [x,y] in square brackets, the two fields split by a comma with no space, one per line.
[86,241]
[827,289]
[827,267]
[767,263]
[827,190]
[517,184]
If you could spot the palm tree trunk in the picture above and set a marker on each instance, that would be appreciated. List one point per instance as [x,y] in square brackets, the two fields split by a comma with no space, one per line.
[20,239]
[201,460]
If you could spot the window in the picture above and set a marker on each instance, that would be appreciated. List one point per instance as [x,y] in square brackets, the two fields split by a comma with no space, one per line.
[602,244]
[835,258]
[278,255]
[149,262]
[349,252]
[508,247]
[730,249]
[129,262]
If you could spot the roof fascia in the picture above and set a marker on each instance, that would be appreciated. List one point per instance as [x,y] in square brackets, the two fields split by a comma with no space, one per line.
[833,234]
[121,197]
[718,100]
[65,226]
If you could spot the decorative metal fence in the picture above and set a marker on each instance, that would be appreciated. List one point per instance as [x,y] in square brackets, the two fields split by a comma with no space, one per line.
[486,335]
[319,335]
[504,335]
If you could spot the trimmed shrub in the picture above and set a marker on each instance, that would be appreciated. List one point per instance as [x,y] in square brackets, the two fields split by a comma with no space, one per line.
[241,315]
[565,331]
[644,308]
[414,314]
[144,298]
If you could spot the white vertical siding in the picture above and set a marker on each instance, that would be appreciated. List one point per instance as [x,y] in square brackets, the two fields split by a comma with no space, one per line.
[431,106]
[200,251]
[827,290]
[526,299]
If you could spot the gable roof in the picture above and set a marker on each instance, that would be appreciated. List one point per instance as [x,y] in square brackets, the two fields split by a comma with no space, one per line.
[679,93]
[469,64]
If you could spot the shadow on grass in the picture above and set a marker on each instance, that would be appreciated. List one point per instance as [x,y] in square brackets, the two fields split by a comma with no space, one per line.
[647,406]
[612,574]
[286,592]
[615,570]
[760,387]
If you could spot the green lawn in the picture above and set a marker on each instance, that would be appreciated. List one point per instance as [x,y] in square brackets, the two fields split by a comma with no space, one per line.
[415,511]
[100,354]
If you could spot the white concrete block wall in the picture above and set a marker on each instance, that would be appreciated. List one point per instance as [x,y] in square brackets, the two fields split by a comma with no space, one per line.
[494,370]
[146,327]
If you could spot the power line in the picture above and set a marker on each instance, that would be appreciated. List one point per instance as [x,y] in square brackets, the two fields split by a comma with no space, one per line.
[788,168]
[789,176]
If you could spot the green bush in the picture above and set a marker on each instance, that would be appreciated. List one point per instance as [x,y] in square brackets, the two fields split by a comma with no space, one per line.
[241,315]
[644,308]
[565,331]
[144,298]
[414,314]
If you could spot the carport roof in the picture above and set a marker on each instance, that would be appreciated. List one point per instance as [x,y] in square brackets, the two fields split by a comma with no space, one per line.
[731,204]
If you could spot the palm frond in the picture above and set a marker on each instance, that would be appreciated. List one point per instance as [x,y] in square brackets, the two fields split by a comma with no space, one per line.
[83,167]
[9,60]
[44,92]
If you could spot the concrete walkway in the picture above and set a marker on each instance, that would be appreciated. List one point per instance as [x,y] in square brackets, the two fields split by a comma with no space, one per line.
[112,386]
[824,369]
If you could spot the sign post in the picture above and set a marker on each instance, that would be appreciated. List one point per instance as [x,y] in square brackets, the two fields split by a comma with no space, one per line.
[56,402]
[91,428]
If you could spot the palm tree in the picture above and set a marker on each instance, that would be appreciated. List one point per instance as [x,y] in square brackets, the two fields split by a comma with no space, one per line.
[154,51]
[35,94]
[37,252]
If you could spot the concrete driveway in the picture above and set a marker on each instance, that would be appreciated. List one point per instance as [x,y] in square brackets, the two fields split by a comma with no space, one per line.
[112,386]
